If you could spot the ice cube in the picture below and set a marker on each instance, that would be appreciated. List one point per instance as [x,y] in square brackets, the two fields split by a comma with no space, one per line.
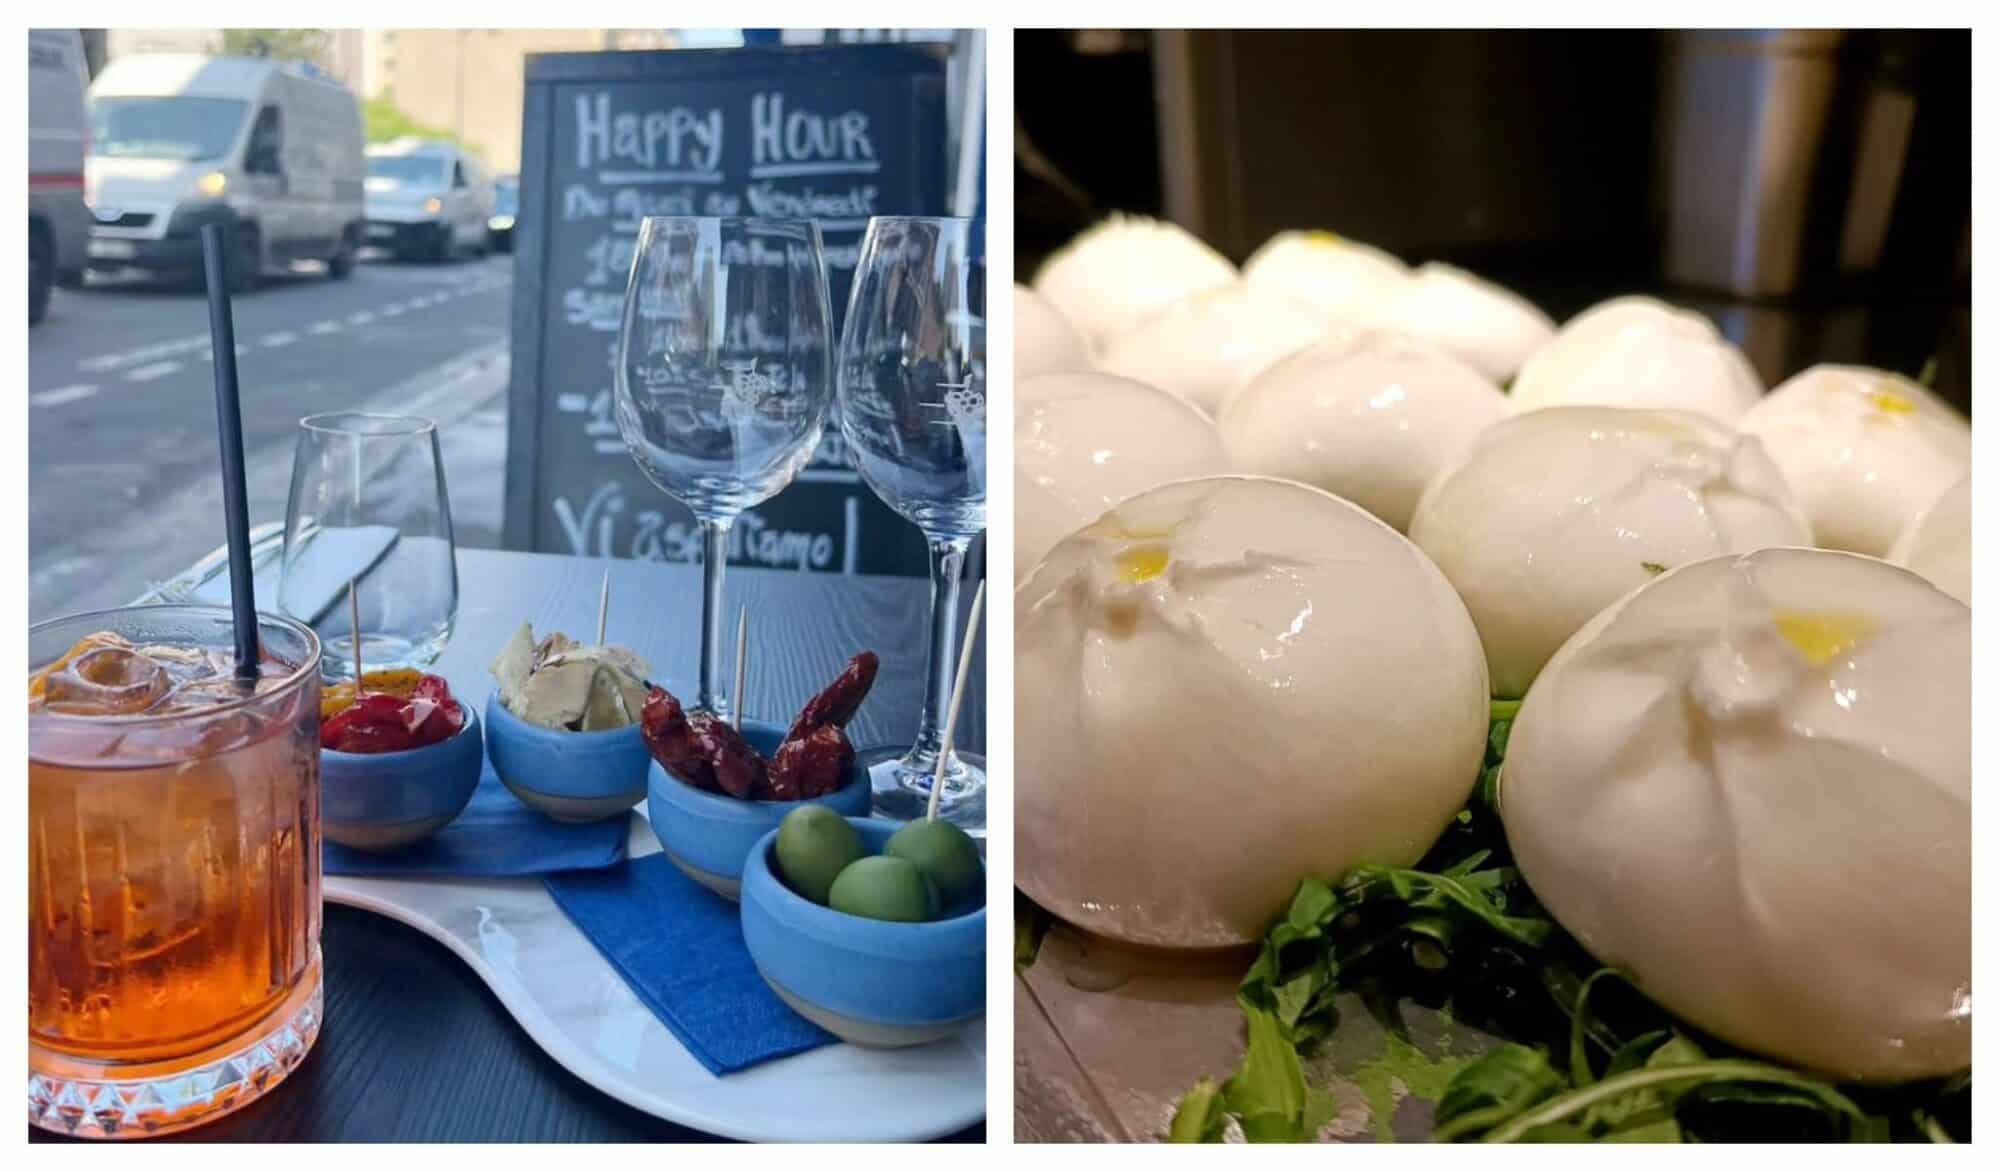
[108,681]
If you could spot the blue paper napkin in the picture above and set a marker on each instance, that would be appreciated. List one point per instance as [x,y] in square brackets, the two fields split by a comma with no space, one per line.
[680,948]
[495,836]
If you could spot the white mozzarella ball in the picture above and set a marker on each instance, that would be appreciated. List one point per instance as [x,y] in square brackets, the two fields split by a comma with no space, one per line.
[1125,270]
[1938,544]
[1491,328]
[1552,516]
[1368,416]
[1749,786]
[1044,341]
[1864,450]
[1222,686]
[1206,347]
[1639,352]
[1084,442]
[1336,278]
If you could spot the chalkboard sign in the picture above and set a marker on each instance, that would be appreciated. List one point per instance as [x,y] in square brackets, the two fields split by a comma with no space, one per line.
[835,134]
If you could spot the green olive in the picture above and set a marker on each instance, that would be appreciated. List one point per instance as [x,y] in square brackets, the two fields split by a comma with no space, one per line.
[946,854]
[814,844]
[880,887]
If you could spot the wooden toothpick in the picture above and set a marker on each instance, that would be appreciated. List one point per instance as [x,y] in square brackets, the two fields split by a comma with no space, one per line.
[742,661]
[603,605]
[354,633]
[957,696]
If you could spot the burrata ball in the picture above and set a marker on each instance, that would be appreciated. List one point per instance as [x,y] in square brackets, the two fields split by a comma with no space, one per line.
[1552,516]
[1336,278]
[1084,442]
[1639,352]
[1368,416]
[1044,341]
[1223,686]
[1865,450]
[1491,328]
[1749,786]
[1207,346]
[1123,271]
[1938,544]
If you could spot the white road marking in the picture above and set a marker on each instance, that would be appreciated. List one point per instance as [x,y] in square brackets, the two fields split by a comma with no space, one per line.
[324,327]
[391,310]
[208,355]
[281,338]
[155,351]
[61,395]
[146,374]
[360,319]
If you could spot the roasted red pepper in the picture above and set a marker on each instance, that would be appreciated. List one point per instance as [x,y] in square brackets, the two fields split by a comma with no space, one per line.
[811,766]
[839,700]
[813,760]
[378,722]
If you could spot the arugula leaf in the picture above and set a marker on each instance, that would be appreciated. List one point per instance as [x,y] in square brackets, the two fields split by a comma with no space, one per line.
[1463,889]
[1031,923]
[1268,1094]
[1199,1118]
[1672,1075]
[1496,1088]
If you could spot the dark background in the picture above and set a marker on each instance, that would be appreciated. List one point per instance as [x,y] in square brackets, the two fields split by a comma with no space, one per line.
[1545,160]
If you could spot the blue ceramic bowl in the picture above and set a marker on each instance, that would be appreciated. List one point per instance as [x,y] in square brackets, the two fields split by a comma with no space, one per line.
[387,801]
[869,982]
[708,835]
[569,776]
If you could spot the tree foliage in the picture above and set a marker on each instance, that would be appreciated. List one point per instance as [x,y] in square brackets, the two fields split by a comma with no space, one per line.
[284,44]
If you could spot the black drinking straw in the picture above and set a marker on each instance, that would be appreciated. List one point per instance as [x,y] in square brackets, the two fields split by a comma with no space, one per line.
[229,430]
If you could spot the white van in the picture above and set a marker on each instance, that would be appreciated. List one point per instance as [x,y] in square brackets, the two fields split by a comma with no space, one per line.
[58,221]
[271,150]
[428,198]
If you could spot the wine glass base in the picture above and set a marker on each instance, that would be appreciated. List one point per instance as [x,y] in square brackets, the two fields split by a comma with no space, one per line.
[900,777]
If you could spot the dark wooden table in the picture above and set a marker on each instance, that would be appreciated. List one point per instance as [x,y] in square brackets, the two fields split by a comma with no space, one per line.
[415,1047]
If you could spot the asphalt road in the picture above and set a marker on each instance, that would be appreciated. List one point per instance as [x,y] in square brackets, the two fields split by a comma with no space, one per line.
[124,485]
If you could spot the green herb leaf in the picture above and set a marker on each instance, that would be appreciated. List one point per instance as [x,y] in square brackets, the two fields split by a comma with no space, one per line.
[1031,923]
[1653,568]
[1268,1094]
[1199,1118]
[1497,1087]
[1668,1077]
[1469,892]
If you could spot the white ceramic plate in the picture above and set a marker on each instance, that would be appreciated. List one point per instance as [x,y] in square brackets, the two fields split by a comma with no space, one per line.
[577,1008]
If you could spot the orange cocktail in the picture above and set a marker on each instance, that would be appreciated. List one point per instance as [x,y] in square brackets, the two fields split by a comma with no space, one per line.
[173,868]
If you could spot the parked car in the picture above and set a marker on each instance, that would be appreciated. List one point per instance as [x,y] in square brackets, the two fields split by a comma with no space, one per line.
[427,199]
[271,150]
[58,128]
[506,205]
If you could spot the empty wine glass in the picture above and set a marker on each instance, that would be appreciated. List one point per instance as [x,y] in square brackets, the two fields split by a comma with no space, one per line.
[723,377]
[368,504]
[913,413]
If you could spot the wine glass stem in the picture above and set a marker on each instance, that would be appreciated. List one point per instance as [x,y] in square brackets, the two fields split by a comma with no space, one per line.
[714,557]
[947,565]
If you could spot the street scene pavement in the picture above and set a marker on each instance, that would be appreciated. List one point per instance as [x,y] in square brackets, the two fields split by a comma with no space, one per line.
[125,489]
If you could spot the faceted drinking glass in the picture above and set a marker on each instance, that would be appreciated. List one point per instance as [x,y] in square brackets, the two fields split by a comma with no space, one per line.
[368,503]
[173,870]
[913,413]
[724,377]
